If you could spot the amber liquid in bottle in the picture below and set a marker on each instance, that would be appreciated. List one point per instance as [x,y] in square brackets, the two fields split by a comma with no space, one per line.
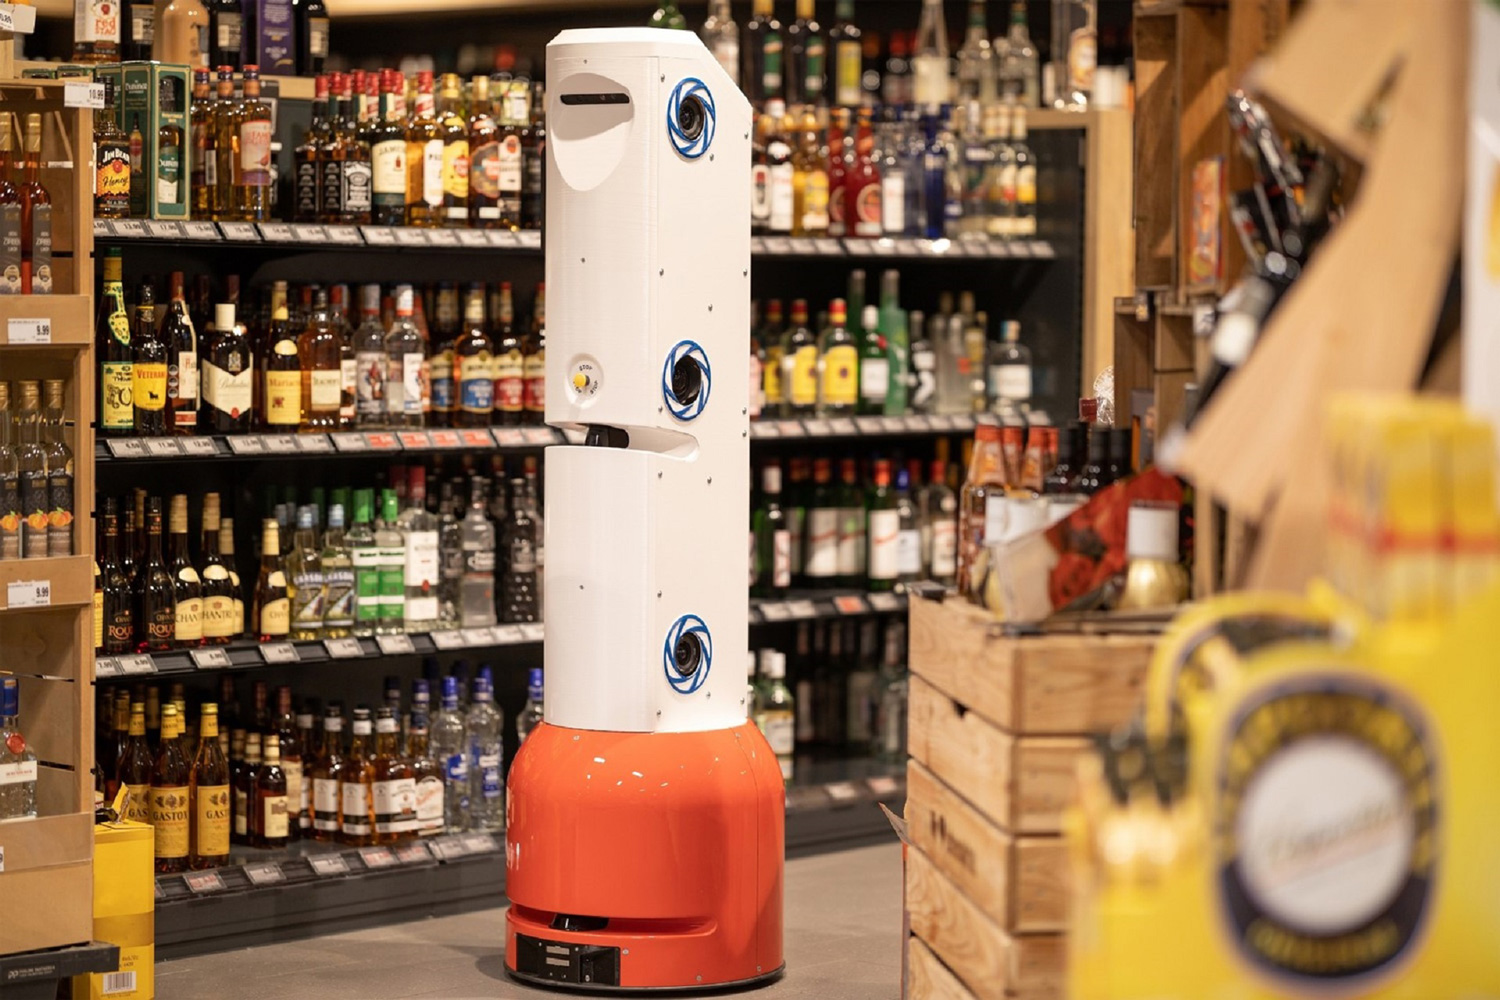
[219,175]
[270,796]
[534,362]
[213,576]
[484,163]
[148,373]
[424,160]
[211,795]
[36,217]
[134,770]
[293,759]
[272,609]
[509,362]
[455,134]
[394,784]
[356,786]
[182,361]
[474,365]
[201,129]
[281,362]
[171,795]
[324,775]
[155,594]
[250,122]
[320,351]
[187,587]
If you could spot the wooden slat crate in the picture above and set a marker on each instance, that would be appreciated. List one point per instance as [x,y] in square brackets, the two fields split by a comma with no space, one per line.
[996,728]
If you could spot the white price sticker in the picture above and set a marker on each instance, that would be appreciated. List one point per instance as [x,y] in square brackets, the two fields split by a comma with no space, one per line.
[393,645]
[198,446]
[82,94]
[843,791]
[478,636]
[449,639]
[28,594]
[533,631]
[328,865]
[279,652]
[29,331]
[343,649]
[265,873]
[207,659]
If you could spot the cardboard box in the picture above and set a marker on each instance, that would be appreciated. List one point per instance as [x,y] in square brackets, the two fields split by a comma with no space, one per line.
[155,110]
[270,37]
[124,912]
[48,858]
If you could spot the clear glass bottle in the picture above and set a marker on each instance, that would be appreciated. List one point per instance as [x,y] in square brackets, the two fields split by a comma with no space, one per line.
[1023,224]
[336,564]
[940,528]
[393,783]
[320,351]
[1010,372]
[978,62]
[722,36]
[1074,53]
[390,546]
[775,711]
[18,762]
[930,63]
[450,556]
[773,540]
[534,712]
[450,748]
[981,506]
[364,557]
[304,575]
[477,533]
[908,529]
[1020,69]
[59,460]
[419,528]
[890,729]
[486,751]
[883,529]
[518,584]
[406,351]
[372,363]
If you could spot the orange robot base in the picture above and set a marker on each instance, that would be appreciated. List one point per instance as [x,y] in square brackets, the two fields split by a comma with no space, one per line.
[644,861]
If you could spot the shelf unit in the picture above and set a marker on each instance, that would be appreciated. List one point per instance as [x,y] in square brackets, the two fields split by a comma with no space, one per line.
[46,625]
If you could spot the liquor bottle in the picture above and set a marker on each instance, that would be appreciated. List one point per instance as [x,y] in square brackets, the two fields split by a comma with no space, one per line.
[980,504]
[840,153]
[351,154]
[371,362]
[974,360]
[155,592]
[323,774]
[473,354]
[908,527]
[810,192]
[453,131]
[293,758]
[427,774]
[509,363]
[393,783]
[518,583]
[111,158]
[823,522]
[307,180]
[320,355]
[388,152]
[450,555]
[838,383]
[311,32]
[800,366]
[96,31]
[940,528]
[887,160]
[850,500]
[667,15]
[1023,225]
[862,192]
[338,310]
[57,459]
[533,713]
[210,794]
[1061,480]
[423,561]
[271,611]
[874,363]
[722,36]
[484,152]
[219,174]
[477,589]
[999,193]
[1010,371]
[271,827]
[305,587]
[337,566]
[1020,76]
[118,610]
[772,534]
[171,789]
[182,361]
[181,28]
[364,562]
[450,749]
[133,770]
[242,784]
[228,375]
[848,54]
[356,777]
[775,711]
[978,62]
[250,162]
[883,531]
[439,380]
[1074,53]
[761,54]
[511,101]
[486,749]
[807,57]
[930,63]
[1094,475]
[187,586]
[218,592]
[892,327]
[534,362]
[148,371]
[782,212]
[226,33]
[896,83]
[281,362]
[140,19]
[390,547]
[406,352]
[772,339]
[424,159]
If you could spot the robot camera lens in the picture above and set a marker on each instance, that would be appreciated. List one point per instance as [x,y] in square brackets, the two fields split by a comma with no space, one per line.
[687,380]
[688,655]
[691,116]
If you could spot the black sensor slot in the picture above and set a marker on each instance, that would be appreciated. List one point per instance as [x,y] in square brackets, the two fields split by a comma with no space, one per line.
[616,98]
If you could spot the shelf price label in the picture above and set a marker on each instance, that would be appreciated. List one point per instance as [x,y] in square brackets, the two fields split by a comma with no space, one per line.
[765,429]
[209,659]
[279,652]
[382,441]
[509,437]
[241,231]
[509,635]
[533,631]
[379,236]
[775,611]
[264,873]
[410,236]
[842,425]
[344,234]
[136,664]
[329,865]
[200,231]
[343,649]
[850,604]
[77,93]
[164,229]
[199,446]
[414,854]
[395,645]
[478,636]
[446,439]
[317,444]
[530,239]
[280,444]
[449,847]
[200,883]
[415,440]
[475,438]
[130,229]
[843,791]
[29,331]
[472,237]
[443,237]
[163,447]
[106,666]
[278,232]
[246,445]
[377,857]
[883,785]
[447,639]
[802,609]
[885,602]
[350,441]
[28,594]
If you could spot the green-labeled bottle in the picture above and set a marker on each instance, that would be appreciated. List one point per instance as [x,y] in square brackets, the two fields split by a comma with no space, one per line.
[364,555]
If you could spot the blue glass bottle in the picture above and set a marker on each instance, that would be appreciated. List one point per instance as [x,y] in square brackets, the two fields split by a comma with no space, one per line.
[934,179]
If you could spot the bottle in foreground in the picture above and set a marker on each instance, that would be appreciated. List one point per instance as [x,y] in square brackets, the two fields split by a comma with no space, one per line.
[450,748]
[18,768]
[486,783]
[531,716]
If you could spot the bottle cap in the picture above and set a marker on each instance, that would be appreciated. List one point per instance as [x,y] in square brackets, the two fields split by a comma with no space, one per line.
[305,517]
[450,689]
[1151,532]
[870,318]
[336,516]
[534,683]
[838,312]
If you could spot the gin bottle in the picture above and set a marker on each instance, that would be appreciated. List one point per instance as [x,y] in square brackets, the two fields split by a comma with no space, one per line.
[486,781]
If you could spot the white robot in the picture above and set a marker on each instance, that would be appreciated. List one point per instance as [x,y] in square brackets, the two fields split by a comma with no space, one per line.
[644,847]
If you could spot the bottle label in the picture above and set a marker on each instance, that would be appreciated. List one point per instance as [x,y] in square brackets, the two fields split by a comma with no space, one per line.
[283,398]
[944,547]
[98,607]
[455,171]
[241,813]
[534,378]
[148,386]
[476,383]
[169,817]
[255,153]
[422,569]
[815,201]
[1010,382]
[168,174]
[305,193]
[227,393]
[182,386]
[815,58]
[273,816]
[392,583]
[19,772]
[218,617]
[509,162]
[490,785]
[356,177]
[10,249]
[804,380]
[781,559]
[137,804]
[10,515]
[189,625]
[354,814]
[440,381]
[338,601]
[783,201]
[874,379]
[848,73]
[780,729]
[325,804]
[370,369]
[771,73]
[1082,58]
[484,171]
[885,531]
[41,250]
[211,811]
[294,777]
[143,24]
[97,21]
[760,193]
[771,378]
[841,375]
[276,617]
[231,30]
[510,382]
[396,806]
[822,558]
[388,166]
[851,553]
[307,601]
[456,767]
[33,514]
[210,173]
[908,553]
[116,385]
[317,37]
[59,512]
[431,165]
[367,600]
[430,804]
[326,390]
[412,386]
[112,181]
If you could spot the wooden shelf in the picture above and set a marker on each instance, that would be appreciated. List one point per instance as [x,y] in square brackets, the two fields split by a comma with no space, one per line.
[71,580]
[46,320]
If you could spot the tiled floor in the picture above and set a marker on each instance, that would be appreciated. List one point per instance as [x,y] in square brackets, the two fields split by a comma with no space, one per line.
[843,937]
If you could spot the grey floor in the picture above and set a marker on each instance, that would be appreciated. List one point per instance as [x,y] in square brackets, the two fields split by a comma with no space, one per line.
[843,942]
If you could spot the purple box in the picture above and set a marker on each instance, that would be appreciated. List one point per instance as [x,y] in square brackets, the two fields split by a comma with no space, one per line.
[270,37]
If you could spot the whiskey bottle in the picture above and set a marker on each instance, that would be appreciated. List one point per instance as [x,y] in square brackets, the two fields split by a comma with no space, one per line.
[534,152]
[96,31]
[455,136]
[427,774]
[323,773]
[36,216]
[111,160]
[219,174]
[293,759]
[182,361]
[394,784]
[134,769]
[388,153]
[320,352]
[272,607]
[188,588]
[305,580]
[242,779]
[473,357]
[440,374]
[356,786]
[484,157]
[210,794]
[155,593]
[271,796]
[307,741]
[335,152]
[407,353]
[226,33]
[181,28]
[509,363]
[148,373]
[424,159]
[226,549]
[118,609]
[838,383]
[511,159]
[228,375]
[171,795]
[217,590]
[251,164]
[534,362]
[311,32]
[307,182]
[282,364]
[116,360]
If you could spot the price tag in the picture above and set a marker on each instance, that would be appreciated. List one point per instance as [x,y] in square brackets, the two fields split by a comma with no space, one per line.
[310,234]
[209,659]
[1042,249]
[447,639]
[199,231]
[279,652]
[410,236]
[329,865]
[443,237]
[379,236]
[916,422]
[530,239]
[395,645]
[893,425]
[21,18]
[764,429]
[130,229]
[843,791]
[164,229]
[843,426]
[137,664]
[281,444]
[104,227]
[963,422]
[502,238]
[415,440]
[28,331]
[198,446]
[473,238]
[106,666]
[317,444]
[28,594]
[242,232]
[850,604]
[867,425]
[509,635]
[480,843]
[343,649]
[818,428]
[163,447]
[802,245]
[539,435]
[885,247]
[757,245]
[802,609]
[449,847]
[350,441]
[246,445]
[885,602]
[445,439]
[790,428]
[413,854]
[348,235]
[478,636]
[377,857]
[883,786]
[778,245]
[858,248]
[200,883]
[999,248]
[909,248]
[509,437]
[382,441]
[476,438]
[533,631]
[264,873]
[774,611]
[828,248]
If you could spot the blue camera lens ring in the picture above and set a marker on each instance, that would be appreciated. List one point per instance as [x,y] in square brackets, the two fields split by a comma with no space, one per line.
[685,626]
[691,147]
[686,349]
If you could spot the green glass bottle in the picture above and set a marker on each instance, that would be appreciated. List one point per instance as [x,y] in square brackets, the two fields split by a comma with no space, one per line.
[668,16]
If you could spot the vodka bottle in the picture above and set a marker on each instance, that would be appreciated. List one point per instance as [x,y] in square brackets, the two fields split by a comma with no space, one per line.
[518,586]
[419,529]
[978,63]
[337,567]
[486,781]
[722,36]
[450,557]
[390,548]
[372,363]
[449,740]
[930,65]
[17,759]
[1020,74]
[1010,371]
[406,350]
[533,713]
[477,538]
[365,558]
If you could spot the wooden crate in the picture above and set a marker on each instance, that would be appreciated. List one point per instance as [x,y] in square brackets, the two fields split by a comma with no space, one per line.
[50,648]
[996,727]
